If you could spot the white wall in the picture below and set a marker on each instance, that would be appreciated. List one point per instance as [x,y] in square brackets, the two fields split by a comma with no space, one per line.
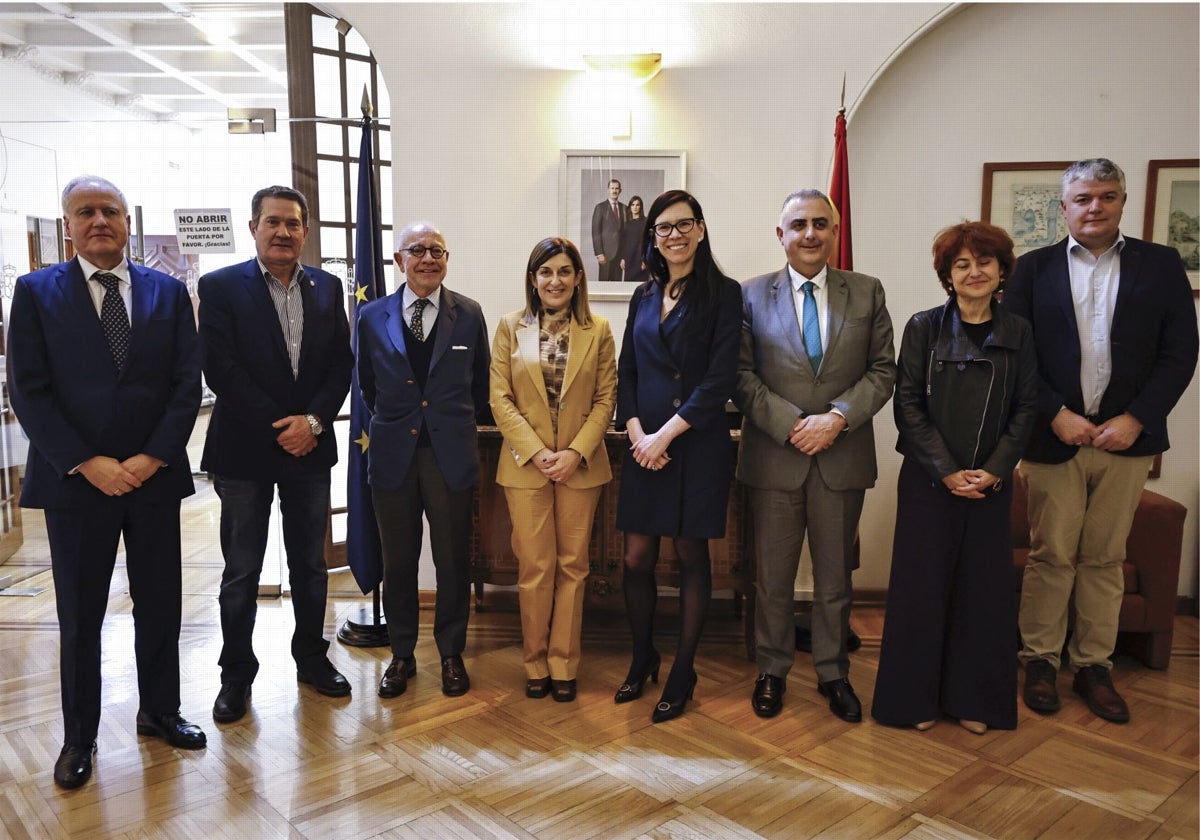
[986,83]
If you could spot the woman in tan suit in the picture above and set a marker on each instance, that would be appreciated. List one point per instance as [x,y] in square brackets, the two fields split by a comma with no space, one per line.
[553,387]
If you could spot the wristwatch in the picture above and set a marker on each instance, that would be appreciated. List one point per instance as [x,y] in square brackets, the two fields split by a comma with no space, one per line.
[315,424]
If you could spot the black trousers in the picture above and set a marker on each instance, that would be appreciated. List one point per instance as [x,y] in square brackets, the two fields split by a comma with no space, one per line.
[83,550]
[949,638]
[399,515]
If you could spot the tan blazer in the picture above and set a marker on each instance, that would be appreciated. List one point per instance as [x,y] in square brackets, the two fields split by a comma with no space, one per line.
[522,409]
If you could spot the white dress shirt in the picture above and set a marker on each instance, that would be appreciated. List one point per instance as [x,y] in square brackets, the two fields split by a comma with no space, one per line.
[96,288]
[820,295]
[409,297]
[1094,284]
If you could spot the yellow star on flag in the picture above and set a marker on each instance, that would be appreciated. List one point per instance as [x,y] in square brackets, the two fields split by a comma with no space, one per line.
[363,441]
[360,294]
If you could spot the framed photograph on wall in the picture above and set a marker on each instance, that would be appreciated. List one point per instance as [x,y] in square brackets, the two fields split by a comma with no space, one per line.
[597,189]
[1173,211]
[1024,199]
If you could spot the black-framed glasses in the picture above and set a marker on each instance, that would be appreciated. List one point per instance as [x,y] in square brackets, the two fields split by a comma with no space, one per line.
[663,229]
[419,251]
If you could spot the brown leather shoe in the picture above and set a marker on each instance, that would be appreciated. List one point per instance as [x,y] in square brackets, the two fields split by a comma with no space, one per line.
[1040,694]
[395,678]
[1094,685]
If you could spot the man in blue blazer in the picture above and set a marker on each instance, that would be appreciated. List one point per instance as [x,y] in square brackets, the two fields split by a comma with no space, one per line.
[107,400]
[423,362]
[816,365]
[276,347]
[1115,329]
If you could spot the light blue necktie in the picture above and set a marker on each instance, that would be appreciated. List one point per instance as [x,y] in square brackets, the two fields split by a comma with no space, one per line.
[812,327]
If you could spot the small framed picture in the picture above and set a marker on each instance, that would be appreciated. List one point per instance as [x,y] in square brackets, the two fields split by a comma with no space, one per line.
[604,198]
[1025,200]
[1173,211]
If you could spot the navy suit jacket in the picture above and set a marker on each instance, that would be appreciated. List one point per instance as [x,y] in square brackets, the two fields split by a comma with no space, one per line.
[1153,341]
[72,403]
[454,401]
[246,365]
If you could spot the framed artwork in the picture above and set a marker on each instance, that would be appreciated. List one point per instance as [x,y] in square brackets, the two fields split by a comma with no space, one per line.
[1024,199]
[597,189]
[1173,211]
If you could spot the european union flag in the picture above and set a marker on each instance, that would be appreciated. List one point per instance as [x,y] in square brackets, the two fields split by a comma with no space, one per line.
[362,536]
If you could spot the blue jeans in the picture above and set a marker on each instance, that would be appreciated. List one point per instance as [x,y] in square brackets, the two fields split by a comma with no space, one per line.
[245,515]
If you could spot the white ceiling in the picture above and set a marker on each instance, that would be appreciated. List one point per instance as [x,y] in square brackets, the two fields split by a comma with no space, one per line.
[185,61]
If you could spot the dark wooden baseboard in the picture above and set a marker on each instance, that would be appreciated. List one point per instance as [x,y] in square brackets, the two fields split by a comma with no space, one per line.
[1186,605]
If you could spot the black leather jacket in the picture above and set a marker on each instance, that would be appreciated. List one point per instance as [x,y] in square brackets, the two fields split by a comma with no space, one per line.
[961,407]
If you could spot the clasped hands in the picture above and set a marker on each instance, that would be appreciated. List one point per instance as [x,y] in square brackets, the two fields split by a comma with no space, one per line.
[1112,435]
[557,466]
[969,484]
[649,451]
[814,433]
[297,437]
[115,478]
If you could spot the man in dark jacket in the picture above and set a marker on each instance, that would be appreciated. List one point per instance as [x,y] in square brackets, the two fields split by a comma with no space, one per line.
[1115,329]
[276,347]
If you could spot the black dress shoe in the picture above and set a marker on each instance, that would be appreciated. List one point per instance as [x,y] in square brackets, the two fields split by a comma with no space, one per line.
[396,677]
[668,709]
[74,766]
[563,691]
[537,689]
[767,699]
[455,681]
[231,700]
[804,640]
[173,729]
[843,702]
[635,682]
[1040,692]
[325,679]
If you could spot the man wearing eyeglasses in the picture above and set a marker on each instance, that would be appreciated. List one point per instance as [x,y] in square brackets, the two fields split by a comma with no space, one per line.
[276,345]
[423,362]
[817,363]
[608,217]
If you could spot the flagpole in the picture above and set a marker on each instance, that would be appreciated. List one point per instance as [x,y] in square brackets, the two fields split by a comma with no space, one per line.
[363,552]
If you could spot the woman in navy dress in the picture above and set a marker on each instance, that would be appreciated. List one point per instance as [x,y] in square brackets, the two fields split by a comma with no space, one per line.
[677,369]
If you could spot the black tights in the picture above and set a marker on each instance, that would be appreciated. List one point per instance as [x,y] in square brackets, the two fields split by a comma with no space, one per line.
[641,596]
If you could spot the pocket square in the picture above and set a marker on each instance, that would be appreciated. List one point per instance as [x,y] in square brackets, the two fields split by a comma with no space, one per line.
[460,347]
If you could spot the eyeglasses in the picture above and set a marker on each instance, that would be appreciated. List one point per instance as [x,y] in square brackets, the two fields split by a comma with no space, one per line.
[419,251]
[663,229]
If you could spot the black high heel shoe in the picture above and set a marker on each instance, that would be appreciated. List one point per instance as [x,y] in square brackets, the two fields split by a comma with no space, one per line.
[671,709]
[632,688]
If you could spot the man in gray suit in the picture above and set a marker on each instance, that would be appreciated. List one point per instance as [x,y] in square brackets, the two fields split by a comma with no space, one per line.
[816,365]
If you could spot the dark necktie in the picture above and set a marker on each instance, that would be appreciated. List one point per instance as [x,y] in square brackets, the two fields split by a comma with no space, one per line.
[616,213]
[812,327]
[417,325]
[114,319]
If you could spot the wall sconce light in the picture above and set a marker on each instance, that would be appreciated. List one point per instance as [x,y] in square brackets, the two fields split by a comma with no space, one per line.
[343,26]
[637,68]
[250,120]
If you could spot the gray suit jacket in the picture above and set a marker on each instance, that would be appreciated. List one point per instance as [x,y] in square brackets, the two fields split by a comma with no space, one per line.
[776,383]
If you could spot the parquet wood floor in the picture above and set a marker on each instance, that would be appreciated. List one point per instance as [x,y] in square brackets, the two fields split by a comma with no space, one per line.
[494,764]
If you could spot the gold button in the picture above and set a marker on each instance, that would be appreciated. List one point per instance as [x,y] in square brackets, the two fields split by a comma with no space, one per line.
[424,403]
[414,432]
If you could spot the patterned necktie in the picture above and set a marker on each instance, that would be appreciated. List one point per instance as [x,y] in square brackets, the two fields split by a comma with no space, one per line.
[417,324]
[812,327]
[114,319]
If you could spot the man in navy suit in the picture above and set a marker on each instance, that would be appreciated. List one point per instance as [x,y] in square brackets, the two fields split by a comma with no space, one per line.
[1115,329]
[108,401]
[276,347]
[423,362]
[608,217]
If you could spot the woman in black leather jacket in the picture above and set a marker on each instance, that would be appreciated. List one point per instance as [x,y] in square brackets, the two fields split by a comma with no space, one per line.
[965,402]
